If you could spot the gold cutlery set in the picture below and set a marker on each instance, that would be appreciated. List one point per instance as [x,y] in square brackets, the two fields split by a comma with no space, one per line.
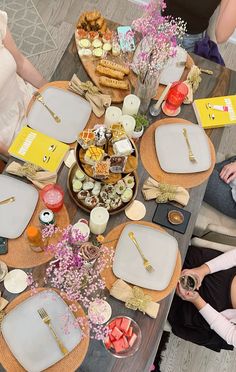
[146,263]
[47,320]
[190,153]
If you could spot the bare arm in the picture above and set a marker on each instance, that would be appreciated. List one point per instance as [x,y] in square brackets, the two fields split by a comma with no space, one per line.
[24,67]
[226,21]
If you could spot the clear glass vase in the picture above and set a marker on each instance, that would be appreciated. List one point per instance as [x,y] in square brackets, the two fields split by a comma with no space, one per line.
[146,89]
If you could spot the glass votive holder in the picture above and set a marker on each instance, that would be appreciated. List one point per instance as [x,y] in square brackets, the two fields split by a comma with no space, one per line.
[175,98]
[53,197]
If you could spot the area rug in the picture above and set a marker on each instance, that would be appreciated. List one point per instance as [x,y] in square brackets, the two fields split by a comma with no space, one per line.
[27,27]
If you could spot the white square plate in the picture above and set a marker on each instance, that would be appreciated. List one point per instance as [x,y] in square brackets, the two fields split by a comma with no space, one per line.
[158,247]
[30,339]
[15,216]
[174,68]
[73,110]
[172,150]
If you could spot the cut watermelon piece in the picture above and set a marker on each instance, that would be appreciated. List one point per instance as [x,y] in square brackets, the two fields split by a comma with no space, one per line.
[119,345]
[132,339]
[112,324]
[112,338]
[107,343]
[125,342]
[125,324]
[116,333]
[118,322]
[129,332]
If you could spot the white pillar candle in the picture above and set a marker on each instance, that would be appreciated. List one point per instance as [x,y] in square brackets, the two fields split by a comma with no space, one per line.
[128,124]
[99,217]
[131,105]
[112,115]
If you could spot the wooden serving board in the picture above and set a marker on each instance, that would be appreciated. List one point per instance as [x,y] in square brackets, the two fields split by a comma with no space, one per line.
[90,63]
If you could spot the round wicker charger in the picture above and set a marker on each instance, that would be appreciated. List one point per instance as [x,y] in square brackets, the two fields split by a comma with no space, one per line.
[151,164]
[68,364]
[109,277]
[20,255]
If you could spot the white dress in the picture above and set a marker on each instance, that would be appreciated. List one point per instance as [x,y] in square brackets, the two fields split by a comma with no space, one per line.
[15,94]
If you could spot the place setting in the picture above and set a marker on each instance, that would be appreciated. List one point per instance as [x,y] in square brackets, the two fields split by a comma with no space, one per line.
[180,153]
[35,337]
[153,267]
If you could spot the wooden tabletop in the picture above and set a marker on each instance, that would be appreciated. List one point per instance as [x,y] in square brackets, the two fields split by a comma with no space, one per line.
[222,82]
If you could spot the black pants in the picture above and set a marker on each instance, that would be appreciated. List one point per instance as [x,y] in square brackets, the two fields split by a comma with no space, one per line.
[185,319]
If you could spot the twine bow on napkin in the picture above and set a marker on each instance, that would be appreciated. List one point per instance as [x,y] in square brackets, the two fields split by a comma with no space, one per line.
[193,80]
[134,298]
[91,93]
[33,173]
[138,300]
[164,192]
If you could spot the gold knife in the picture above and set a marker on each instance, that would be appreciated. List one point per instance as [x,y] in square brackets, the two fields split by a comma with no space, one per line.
[8,200]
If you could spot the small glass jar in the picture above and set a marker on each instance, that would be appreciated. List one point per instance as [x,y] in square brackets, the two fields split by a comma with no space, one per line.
[53,197]
[34,237]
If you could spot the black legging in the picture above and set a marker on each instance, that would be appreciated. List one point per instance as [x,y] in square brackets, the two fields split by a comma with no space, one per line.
[218,193]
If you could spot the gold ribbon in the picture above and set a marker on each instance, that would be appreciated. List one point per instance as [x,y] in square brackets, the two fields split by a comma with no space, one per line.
[28,170]
[168,192]
[89,87]
[138,301]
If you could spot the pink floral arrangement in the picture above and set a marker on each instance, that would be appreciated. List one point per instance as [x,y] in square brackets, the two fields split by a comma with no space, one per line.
[159,36]
[75,272]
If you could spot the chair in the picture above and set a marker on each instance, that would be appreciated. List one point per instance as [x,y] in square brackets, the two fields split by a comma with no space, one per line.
[214,226]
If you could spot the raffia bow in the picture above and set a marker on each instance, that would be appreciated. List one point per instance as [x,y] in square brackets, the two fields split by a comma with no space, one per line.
[139,300]
[168,192]
[99,102]
[38,177]
[89,87]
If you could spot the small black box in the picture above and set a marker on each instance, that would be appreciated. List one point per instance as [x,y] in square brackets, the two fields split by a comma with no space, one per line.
[161,217]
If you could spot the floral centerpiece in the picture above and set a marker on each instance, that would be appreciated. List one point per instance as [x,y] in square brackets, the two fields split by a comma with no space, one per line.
[75,272]
[159,36]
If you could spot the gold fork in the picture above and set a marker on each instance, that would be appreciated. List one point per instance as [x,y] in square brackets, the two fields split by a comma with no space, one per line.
[146,263]
[190,153]
[39,97]
[8,200]
[46,319]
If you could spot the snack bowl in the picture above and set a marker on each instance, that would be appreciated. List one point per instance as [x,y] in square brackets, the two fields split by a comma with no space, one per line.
[130,166]
[80,203]
[126,335]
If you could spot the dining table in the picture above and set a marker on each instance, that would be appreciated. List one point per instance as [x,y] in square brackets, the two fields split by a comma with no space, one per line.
[221,82]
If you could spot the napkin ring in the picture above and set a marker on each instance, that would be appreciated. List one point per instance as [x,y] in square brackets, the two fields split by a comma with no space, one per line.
[138,301]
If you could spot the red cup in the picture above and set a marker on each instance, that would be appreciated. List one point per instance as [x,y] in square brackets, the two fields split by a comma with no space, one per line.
[53,197]
[175,97]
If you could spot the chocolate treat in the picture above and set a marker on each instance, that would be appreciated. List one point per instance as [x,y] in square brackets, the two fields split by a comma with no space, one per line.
[83,194]
[91,201]
[100,135]
[117,163]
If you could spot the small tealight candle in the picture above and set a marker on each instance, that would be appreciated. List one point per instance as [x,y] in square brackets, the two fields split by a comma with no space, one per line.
[112,115]
[131,105]
[128,124]
[99,217]
[52,196]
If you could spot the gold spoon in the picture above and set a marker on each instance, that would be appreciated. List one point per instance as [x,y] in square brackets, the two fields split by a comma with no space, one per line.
[8,200]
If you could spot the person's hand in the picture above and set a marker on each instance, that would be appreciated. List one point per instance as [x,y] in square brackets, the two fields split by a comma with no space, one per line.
[199,272]
[228,172]
[185,295]
[191,296]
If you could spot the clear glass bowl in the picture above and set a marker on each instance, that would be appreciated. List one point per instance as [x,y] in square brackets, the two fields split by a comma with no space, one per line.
[132,349]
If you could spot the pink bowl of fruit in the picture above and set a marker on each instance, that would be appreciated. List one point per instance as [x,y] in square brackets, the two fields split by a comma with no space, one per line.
[124,337]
